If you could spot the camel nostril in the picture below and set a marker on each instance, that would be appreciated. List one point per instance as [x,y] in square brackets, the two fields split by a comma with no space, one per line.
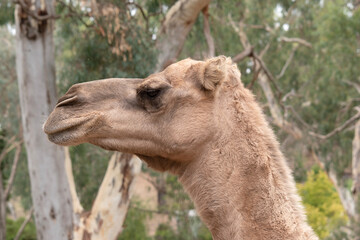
[66,100]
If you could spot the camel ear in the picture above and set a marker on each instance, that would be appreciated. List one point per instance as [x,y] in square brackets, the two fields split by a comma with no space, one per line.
[213,72]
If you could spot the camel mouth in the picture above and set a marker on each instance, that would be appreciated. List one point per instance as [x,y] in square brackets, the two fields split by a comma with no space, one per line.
[65,132]
[62,139]
[51,128]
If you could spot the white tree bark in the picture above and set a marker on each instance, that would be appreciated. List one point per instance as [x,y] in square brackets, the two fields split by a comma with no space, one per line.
[106,218]
[36,80]
[177,24]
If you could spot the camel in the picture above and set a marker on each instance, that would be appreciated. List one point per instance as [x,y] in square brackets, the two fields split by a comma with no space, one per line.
[196,120]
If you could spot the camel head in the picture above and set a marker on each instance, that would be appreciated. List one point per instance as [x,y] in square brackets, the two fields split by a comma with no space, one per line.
[169,115]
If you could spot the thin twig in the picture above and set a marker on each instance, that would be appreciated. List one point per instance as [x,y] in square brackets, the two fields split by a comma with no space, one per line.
[23,225]
[338,129]
[354,84]
[13,171]
[240,31]
[255,75]
[264,50]
[267,73]
[296,40]
[142,13]
[287,63]
[244,54]
[207,33]
[6,150]
[74,13]
[288,95]
[302,121]
[245,43]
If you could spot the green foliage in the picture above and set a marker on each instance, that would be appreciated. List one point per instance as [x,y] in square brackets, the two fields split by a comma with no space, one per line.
[89,166]
[21,185]
[324,210]
[6,12]
[2,141]
[299,168]
[12,228]
[85,54]
[134,227]
[165,232]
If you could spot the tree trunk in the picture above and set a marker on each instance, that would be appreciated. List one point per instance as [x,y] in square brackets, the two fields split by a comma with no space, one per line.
[36,79]
[106,218]
[177,24]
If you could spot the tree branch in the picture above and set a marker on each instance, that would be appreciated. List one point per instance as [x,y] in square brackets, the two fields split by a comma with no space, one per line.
[338,129]
[207,33]
[240,31]
[11,147]
[13,172]
[287,63]
[297,116]
[296,40]
[23,225]
[244,54]
[256,72]
[354,84]
[265,76]
[74,13]
[140,8]
[177,24]
[267,73]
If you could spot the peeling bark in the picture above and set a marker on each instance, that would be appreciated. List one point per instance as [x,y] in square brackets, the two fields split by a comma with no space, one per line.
[109,210]
[177,24]
[36,80]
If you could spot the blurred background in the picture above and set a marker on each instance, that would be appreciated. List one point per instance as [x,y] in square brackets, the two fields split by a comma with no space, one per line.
[301,58]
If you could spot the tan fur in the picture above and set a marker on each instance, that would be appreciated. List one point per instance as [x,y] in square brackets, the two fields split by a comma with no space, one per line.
[203,126]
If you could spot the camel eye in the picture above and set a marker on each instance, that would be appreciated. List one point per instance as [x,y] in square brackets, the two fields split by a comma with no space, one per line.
[152,93]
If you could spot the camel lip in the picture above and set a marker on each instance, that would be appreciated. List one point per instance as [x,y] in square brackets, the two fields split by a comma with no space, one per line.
[60,140]
[58,127]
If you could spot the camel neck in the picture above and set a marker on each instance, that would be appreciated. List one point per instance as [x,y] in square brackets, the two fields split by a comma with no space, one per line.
[244,190]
